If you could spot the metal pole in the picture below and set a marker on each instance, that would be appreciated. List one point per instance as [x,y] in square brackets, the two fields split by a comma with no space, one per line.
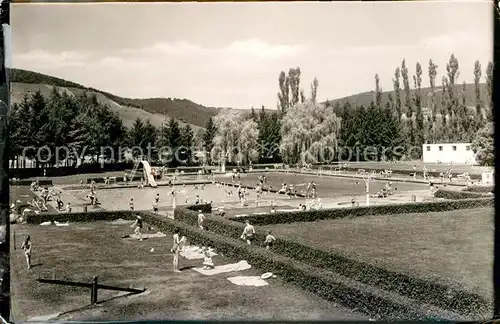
[93,293]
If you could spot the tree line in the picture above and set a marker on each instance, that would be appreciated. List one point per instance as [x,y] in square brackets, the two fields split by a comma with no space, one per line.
[300,130]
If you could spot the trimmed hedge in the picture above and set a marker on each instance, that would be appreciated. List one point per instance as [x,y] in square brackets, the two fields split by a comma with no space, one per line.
[82,217]
[321,282]
[480,189]
[419,289]
[314,215]
[25,182]
[458,195]
[85,168]
[205,208]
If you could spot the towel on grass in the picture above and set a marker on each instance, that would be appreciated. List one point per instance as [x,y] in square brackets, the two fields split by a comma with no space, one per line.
[46,223]
[194,252]
[255,281]
[240,266]
[241,215]
[121,221]
[61,224]
[262,213]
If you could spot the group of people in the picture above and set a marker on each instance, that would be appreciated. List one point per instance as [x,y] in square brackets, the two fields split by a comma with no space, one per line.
[290,190]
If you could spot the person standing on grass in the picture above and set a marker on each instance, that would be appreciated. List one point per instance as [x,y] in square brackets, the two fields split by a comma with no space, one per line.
[313,188]
[68,208]
[26,247]
[270,239]
[248,233]
[155,206]
[201,219]
[176,249]
[131,204]
[138,227]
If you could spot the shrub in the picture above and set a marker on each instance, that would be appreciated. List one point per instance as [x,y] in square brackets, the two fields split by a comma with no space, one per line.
[415,288]
[457,195]
[27,182]
[480,189]
[81,217]
[314,215]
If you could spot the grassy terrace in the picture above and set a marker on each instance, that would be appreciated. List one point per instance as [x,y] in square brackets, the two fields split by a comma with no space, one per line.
[454,246]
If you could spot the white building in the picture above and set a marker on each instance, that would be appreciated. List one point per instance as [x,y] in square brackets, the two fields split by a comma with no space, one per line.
[456,153]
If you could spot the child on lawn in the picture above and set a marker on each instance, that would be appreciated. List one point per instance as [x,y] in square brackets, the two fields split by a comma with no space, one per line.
[26,247]
[208,263]
[270,239]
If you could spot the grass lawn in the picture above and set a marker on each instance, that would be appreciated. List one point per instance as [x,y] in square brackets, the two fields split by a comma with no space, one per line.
[326,186]
[451,247]
[82,250]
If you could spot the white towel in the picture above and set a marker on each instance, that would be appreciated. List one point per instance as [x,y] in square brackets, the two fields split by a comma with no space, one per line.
[46,223]
[240,266]
[194,252]
[241,215]
[147,235]
[61,224]
[263,213]
[248,281]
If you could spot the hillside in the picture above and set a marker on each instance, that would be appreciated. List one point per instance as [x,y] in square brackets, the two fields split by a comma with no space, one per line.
[129,108]
[366,97]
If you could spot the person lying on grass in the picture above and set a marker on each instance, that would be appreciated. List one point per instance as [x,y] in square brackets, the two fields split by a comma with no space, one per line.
[248,233]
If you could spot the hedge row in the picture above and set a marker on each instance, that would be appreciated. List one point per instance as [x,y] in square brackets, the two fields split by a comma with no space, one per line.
[423,290]
[458,195]
[82,217]
[315,215]
[322,282]
[85,168]
[44,182]
[480,189]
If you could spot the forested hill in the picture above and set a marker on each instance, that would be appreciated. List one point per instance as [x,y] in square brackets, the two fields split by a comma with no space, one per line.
[184,110]
[366,97]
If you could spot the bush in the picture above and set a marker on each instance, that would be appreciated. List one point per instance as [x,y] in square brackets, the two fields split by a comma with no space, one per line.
[481,189]
[81,217]
[425,291]
[314,215]
[458,195]
[26,182]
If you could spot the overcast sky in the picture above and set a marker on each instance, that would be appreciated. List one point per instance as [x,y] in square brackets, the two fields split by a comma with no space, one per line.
[230,54]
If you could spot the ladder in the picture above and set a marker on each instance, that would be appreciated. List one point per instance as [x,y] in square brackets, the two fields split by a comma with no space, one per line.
[136,166]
